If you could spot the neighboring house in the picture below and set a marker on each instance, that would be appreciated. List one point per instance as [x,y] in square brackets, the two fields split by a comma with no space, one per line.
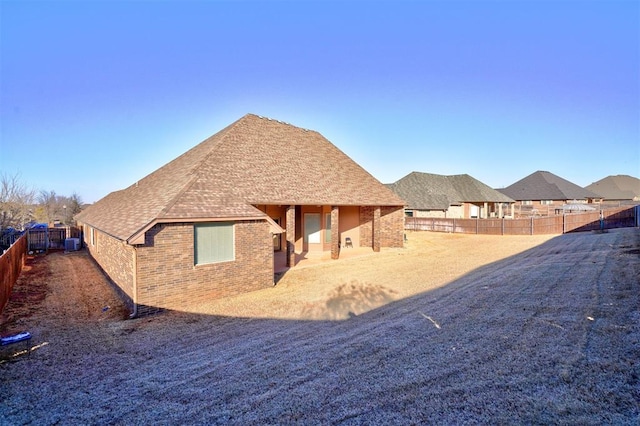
[458,196]
[207,224]
[617,189]
[543,193]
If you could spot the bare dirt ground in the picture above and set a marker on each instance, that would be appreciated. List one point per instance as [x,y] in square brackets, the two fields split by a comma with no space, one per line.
[453,329]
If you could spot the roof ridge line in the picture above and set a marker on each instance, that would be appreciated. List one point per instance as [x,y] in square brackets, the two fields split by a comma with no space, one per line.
[220,136]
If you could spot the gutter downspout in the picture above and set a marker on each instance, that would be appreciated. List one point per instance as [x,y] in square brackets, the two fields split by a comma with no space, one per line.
[135,284]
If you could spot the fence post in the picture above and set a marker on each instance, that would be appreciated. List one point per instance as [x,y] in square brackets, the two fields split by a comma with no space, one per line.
[531,225]
[601,220]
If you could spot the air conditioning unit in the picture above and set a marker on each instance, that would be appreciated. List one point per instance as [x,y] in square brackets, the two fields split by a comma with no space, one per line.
[72,244]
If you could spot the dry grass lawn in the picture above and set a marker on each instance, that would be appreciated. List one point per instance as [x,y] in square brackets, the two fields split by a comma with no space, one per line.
[452,329]
[342,288]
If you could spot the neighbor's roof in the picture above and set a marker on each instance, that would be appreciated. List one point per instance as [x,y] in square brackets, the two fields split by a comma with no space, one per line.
[619,187]
[426,191]
[543,185]
[253,161]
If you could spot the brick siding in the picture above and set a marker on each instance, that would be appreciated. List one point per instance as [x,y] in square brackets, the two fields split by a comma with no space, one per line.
[114,257]
[168,278]
[366,226]
[391,226]
[335,233]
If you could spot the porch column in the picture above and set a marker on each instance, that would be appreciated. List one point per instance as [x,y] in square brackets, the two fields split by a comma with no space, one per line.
[291,236]
[335,232]
[376,228]
[486,210]
[500,215]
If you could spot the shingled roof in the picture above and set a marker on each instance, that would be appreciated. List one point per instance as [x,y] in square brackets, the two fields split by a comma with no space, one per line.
[618,187]
[543,185]
[426,191]
[253,161]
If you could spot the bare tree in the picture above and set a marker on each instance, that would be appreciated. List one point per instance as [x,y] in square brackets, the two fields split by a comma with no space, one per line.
[49,209]
[74,206]
[53,207]
[16,202]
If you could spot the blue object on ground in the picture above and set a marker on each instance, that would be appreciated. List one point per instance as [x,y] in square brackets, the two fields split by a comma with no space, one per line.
[15,338]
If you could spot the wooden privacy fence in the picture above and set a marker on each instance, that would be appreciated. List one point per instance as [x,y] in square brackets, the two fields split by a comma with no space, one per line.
[43,239]
[35,239]
[584,221]
[11,264]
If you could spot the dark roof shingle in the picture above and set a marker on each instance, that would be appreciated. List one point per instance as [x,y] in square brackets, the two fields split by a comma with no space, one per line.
[252,161]
[618,187]
[426,191]
[543,185]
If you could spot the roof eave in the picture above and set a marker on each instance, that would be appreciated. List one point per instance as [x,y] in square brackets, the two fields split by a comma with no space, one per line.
[138,237]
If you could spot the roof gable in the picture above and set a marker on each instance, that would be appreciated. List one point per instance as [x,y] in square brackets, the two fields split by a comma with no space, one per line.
[542,185]
[426,191]
[255,160]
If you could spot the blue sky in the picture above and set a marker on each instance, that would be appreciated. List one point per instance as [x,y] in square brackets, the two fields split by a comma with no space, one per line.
[96,95]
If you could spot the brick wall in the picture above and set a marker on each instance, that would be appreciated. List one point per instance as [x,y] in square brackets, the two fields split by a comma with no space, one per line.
[391,226]
[366,226]
[168,278]
[335,234]
[115,257]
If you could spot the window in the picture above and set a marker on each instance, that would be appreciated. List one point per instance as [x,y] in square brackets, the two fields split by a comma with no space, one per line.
[327,232]
[92,234]
[312,228]
[213,242]
[474,211]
